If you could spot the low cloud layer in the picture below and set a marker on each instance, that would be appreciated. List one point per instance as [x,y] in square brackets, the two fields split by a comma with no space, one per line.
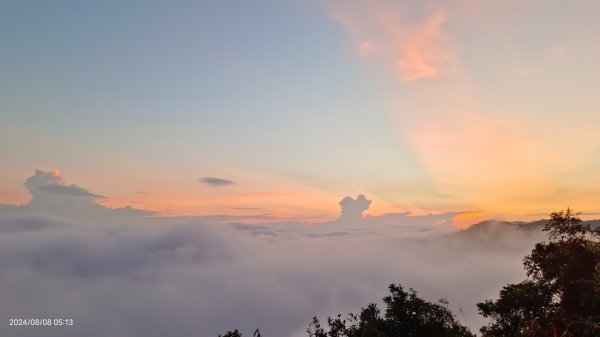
[217,182]
[189,277]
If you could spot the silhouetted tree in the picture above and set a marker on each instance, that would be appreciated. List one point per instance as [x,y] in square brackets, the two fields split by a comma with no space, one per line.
[561,295]
[234,333]
[406,315]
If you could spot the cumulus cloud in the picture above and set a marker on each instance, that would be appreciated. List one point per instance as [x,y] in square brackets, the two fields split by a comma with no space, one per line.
[199,276]
[51,195]
[352,209]
[53,182]
[217,182]
[352,214]
[40,177]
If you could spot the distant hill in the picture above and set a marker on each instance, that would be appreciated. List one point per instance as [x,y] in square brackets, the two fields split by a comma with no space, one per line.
[502,230]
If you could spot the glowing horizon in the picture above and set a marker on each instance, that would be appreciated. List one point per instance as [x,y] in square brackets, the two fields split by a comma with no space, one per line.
[425,107]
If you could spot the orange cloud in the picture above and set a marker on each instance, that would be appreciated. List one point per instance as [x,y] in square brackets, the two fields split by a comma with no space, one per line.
[424,52]
[465,220]
[487,148]
[413,49]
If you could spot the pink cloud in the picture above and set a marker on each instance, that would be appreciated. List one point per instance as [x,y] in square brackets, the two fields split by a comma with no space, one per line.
[414,47]
[425,52]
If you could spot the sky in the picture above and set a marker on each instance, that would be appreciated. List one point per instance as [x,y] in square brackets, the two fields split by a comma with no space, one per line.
[282,108]
[188,167]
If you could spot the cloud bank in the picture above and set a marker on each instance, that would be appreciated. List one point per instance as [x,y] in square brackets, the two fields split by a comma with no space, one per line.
[195,276]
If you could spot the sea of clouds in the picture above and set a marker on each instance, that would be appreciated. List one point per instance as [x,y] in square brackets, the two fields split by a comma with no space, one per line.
[123,273]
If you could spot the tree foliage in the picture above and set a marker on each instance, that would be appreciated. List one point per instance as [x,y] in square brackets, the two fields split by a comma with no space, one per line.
[406,315]
[236,333]
[232,333]
[561,295]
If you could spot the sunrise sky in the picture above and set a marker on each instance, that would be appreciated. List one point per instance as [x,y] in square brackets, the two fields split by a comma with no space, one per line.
[285,107]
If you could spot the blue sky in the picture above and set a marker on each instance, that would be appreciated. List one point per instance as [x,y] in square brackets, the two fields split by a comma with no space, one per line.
[423,106]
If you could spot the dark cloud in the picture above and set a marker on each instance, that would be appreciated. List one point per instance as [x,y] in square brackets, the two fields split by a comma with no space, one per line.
[217,182]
